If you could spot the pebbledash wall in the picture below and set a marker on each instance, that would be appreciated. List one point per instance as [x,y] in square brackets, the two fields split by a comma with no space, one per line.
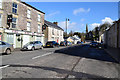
[26,26]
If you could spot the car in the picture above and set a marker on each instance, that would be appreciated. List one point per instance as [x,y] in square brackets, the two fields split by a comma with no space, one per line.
[94,44]
[69,43]
[6,47]
[78,42]
[63,43]
[33,45]
[52,44]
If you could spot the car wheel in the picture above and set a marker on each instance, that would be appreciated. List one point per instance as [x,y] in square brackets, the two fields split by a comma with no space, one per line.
[33,48]
[8,51]
[53,46]
[41,47]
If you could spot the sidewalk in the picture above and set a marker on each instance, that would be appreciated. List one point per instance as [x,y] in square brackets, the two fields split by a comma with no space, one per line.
[114,52]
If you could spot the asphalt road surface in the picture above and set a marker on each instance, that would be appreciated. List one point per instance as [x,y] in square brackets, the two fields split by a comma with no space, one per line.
[79,61]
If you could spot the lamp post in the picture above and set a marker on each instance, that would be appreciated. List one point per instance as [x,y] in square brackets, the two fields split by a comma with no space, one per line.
[66,25]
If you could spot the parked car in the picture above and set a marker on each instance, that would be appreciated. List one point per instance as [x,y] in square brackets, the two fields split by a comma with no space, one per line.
[52,44]
[94,44]
[6,47]
[78,42]
[69,43]
[33,45]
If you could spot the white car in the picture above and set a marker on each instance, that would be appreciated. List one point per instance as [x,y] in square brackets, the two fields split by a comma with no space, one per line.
[33,45]
[6,47]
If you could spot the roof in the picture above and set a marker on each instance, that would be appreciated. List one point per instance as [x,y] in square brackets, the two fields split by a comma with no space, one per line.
[32,7]
[50,24]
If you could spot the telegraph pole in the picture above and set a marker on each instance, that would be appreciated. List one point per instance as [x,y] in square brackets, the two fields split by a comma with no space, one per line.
[66,25]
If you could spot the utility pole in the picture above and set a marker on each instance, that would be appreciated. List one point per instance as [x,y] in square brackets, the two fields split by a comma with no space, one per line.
[66,25]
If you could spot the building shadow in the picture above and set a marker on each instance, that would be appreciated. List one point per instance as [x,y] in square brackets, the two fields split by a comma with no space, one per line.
[85,51]
[62,71]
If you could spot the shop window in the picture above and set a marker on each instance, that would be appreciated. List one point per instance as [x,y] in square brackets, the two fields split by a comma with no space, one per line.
[14,22]
[14,8]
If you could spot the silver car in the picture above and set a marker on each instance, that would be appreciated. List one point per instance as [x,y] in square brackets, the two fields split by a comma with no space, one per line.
[33,45]
[6,47]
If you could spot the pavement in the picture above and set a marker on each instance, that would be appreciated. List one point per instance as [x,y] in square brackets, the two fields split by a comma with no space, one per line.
[114,53]
[79,61]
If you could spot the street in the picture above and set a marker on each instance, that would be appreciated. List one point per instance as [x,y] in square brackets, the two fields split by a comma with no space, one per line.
[80,61]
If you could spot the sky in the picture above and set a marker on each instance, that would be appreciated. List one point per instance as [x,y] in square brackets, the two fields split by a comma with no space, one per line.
[79,13]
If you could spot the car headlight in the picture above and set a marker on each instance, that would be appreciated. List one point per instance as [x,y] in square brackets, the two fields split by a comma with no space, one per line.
[29,47]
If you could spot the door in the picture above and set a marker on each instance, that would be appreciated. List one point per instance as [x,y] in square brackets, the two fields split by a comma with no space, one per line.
[26,39]
[37,45]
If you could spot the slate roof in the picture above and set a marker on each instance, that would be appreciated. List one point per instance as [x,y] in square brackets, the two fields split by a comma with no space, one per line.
[50,24]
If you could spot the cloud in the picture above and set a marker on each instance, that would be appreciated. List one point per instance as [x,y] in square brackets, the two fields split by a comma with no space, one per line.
[82,20]
[52,14]
[106,19]
[71,25]
[81,10]
[92,26]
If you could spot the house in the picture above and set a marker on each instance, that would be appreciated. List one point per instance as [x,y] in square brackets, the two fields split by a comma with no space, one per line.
[20,23]
[74,39]
[53,32]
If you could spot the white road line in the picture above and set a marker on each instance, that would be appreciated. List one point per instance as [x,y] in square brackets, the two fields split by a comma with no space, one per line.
[42,55]
[4,66]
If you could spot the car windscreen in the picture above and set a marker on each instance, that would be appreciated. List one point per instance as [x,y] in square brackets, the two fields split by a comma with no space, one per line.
[30,43]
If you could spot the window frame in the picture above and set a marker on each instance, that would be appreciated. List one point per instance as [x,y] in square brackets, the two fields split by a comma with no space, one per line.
[28,27]
[39,29]
[14,7]
[14,22]
[28,13]
[0,20]
[1,4]
[39,17]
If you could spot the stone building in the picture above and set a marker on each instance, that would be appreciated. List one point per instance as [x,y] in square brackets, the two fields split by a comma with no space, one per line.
[26,23]
[53,32]
[112,35]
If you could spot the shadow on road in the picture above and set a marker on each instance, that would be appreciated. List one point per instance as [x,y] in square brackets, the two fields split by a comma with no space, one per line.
[61,71]
[87,52]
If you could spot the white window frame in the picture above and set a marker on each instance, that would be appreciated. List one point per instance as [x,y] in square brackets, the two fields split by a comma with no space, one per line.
[28,26]
[29,13]
[15,8]
[0,4]
[39,17]
[14,23]
[53,31]
[0,20]
[39,29]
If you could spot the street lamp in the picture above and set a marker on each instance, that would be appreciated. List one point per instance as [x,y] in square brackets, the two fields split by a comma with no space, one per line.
[66,25]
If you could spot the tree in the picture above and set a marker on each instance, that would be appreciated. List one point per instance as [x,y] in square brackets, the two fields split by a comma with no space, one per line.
[78,34]
[70,34]
[104,26]
[86,28]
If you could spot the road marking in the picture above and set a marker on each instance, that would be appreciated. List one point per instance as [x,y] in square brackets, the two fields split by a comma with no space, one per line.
[42,55]
[4,66]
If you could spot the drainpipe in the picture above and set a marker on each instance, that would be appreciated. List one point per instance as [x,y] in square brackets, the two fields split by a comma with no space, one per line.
[118,34]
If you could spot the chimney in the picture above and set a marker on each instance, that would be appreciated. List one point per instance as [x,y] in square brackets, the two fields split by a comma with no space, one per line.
[55,23]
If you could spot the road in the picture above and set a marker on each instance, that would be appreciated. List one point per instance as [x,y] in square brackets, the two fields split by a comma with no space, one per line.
[79,61]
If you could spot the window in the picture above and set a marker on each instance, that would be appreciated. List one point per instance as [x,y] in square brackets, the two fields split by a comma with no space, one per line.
[0,4]
[58,33]
[14,8]
[39,17]
[14,22]
[28,26]
[53,31]
[38,28]
[0,20]
[28,13]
